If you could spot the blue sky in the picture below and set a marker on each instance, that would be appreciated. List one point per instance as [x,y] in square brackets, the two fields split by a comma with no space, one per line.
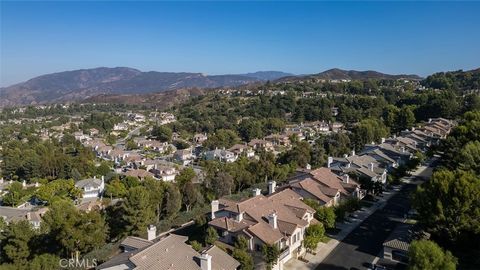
[237,37]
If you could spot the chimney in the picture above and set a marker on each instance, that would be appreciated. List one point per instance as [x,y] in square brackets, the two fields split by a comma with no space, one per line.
[353,152]
[370,166]
[205,261]
[348,165]
[239,217]
[271,187]
[151,232]
[256,192]
[346,178]
[308,167]
[403,149]
[383,140]
[272,220]
[329,162]
[214,207]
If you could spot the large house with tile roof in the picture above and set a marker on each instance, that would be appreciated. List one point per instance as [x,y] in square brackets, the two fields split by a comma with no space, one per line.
[279,218]
[325,186]
[169,252]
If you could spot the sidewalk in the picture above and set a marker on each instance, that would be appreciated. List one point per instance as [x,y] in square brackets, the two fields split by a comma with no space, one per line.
[324,249]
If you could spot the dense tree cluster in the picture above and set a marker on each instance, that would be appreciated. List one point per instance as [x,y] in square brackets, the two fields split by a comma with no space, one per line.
[448,204]
[456,80]
[49,159]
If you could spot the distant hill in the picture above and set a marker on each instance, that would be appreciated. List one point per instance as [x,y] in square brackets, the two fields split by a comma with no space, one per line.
[268,75]
[339,74]
[80,84]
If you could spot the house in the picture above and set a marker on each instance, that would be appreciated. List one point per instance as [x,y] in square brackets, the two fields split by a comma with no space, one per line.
[116,155]
[91,187]
[136,117]
[199,138]
[165,173]
[280,219]
[308,188]
[169,252]
[221,155]
[32,215]
[120,127]
[336,126]
[258,144]
[184,156]
[79,136]
[93,132]
[139,173]
[279,139]
[361,165]
[242,150]
[326,178]
[395,247]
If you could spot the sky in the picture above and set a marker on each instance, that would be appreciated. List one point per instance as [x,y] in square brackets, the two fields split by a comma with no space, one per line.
[37,37]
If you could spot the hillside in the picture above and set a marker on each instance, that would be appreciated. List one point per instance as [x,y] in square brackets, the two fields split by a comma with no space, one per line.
[339,74]
[80,84]
[456,80]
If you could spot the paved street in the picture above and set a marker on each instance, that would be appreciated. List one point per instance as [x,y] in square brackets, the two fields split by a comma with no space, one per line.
[364,243]
[359,248]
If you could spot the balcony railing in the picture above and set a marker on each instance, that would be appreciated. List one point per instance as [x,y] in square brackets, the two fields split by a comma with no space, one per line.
[284,253]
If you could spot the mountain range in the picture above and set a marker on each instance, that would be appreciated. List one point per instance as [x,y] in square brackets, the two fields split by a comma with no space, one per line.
[78,85]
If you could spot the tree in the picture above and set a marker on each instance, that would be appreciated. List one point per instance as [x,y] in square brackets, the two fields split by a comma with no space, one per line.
[470,157]
[184,177]
[240,253]
[326,215]
[427,255]
[59,189]
[222,138]
[73,230]
[405,118]
[191,195]
[250,129]
[173,200]
[211,236]
[300,154]
[222,184]
[448,204]
[196,245]
[44,262]
[16,246]
[367,131]
[313,235]
[103,169]
[139,211]
[162,133]
[116,188]
[14,195]
[270,254]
